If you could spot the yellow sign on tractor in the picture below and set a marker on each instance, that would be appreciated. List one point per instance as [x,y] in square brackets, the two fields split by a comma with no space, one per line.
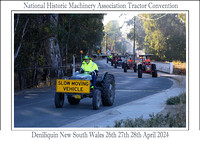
[72,86]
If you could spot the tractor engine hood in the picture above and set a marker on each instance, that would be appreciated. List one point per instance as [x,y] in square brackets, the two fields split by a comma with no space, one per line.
[81,76]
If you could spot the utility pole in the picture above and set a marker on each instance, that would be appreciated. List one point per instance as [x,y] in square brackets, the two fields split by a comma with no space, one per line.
[106,43]
[134,42]
[115,44]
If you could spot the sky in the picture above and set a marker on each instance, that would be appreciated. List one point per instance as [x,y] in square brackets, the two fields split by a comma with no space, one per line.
[116,16]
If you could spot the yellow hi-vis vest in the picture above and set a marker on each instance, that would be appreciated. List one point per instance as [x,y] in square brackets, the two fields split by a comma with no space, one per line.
[91,66]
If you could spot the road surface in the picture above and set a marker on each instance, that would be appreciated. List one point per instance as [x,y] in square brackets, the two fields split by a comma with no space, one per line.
[36,108]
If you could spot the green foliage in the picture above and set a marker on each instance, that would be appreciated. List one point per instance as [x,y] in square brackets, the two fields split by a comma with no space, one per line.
[139,32]
[165,35]
[173,101]
[177,100]
[182,17]
[113,37]
[158,120]
[73,32]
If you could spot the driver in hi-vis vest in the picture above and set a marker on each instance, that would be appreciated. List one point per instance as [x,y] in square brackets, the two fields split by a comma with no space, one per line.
[91,67]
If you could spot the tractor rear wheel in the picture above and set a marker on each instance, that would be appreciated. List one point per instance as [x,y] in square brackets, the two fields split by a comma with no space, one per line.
[96,100]
[72,100]
[108,90]
[139,71]
[154,73]
[59,100]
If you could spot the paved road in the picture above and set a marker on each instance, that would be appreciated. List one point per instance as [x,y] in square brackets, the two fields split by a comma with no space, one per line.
[36,108]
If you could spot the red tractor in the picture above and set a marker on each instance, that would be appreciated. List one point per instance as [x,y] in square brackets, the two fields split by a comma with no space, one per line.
[129,64]
[146,66]
[116,61]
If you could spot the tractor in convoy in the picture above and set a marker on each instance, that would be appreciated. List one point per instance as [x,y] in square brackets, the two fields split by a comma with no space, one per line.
[117,61]
[129,64]
[78,87]
[109,58]
[145,66]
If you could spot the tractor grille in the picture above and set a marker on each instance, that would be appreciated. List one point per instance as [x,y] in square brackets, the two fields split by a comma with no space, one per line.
[148,67]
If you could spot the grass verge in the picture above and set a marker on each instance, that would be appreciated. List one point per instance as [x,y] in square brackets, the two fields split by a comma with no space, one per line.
[179,68]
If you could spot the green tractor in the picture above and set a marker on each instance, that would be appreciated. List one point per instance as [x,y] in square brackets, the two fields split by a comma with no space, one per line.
[78,87]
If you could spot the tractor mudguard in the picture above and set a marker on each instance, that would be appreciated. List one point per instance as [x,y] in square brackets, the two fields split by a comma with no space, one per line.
[103,76]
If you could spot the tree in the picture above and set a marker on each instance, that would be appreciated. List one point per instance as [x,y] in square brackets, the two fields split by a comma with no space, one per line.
[165,36]
[51,39]
[182,16]
[112,35]
[139,32]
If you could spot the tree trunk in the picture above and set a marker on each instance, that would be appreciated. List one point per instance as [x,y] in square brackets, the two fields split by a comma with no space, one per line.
[53,55]
[52,50]
[16,23]
[22,37]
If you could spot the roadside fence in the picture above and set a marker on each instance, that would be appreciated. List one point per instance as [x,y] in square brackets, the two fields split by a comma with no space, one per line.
[40,76]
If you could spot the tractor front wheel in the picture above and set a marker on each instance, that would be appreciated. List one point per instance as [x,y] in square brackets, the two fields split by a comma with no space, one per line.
[139,71]
[154,73]
[115,65]
[96,101]
[125,67]
[59,100]
[122,65]
[108,90]
[135,68]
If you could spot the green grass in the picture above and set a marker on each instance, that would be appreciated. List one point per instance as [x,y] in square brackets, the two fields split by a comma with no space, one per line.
[179,68]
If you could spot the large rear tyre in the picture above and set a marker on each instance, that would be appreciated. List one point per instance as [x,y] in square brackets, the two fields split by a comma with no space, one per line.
[139,71]
[72,100]
[154,73]
[96,100]
[59,100]
[108,90]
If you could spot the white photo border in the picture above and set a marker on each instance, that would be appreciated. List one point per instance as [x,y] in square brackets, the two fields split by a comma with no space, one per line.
[98,12]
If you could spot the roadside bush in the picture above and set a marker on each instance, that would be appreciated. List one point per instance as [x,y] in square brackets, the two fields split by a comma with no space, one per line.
[173,100]
[177,100]
[158,120]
